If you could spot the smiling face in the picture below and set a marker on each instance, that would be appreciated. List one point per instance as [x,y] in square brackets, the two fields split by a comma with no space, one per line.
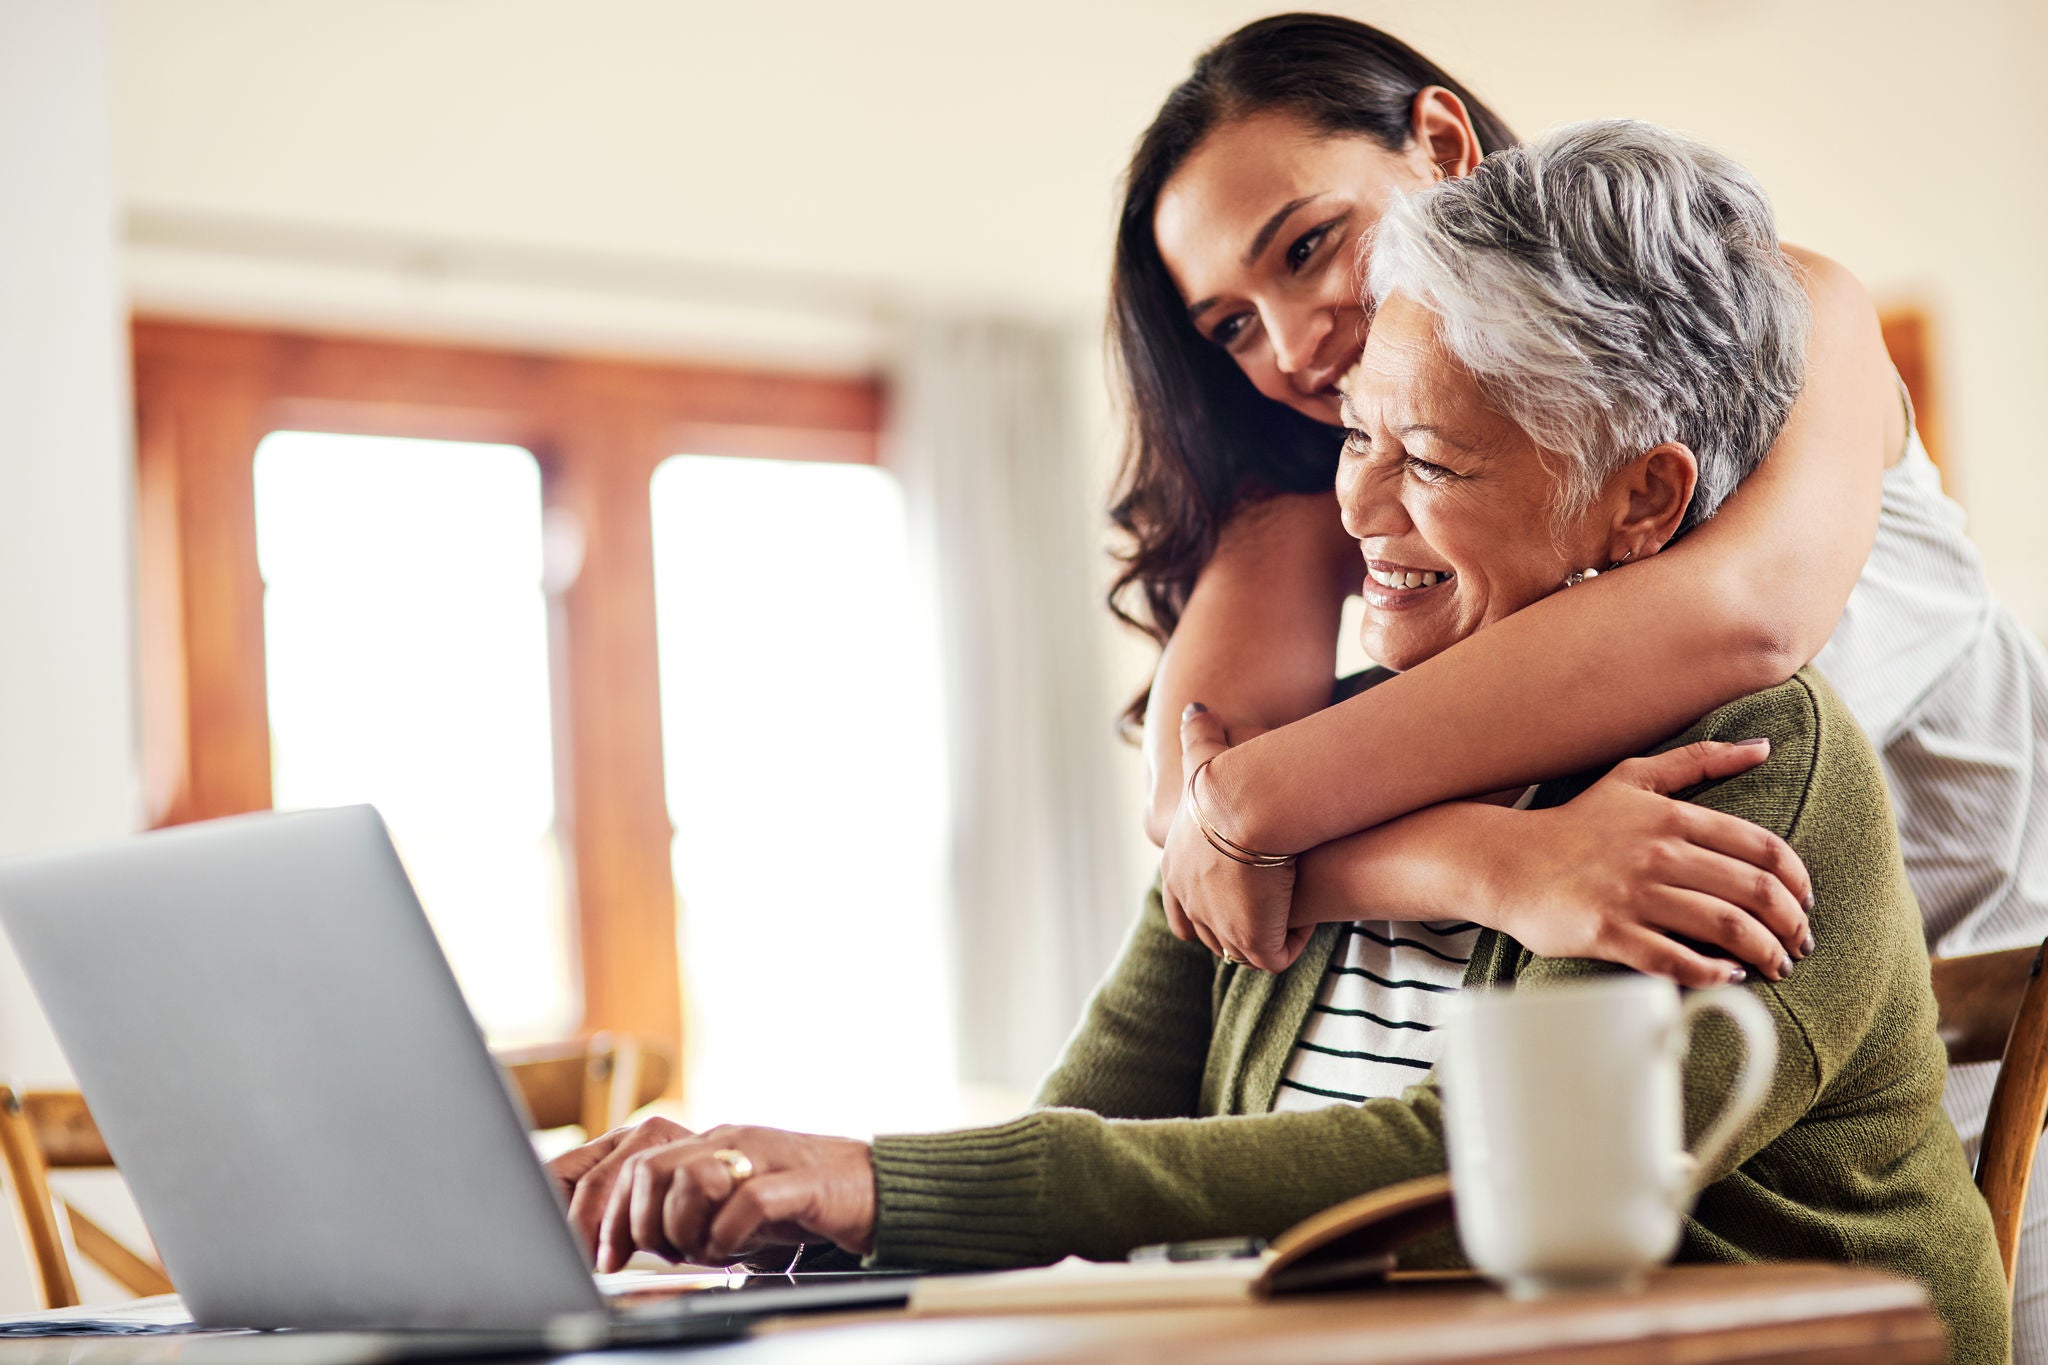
[1260,230]
[1450,502]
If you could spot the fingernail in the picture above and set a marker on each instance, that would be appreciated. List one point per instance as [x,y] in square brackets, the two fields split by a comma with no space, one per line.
[1784,968]
[1752,743]
[1736,976]
[1806,944]
[1195,708]
[1806,904]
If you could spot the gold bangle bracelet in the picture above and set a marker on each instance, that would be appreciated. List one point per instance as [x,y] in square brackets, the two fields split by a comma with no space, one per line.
[1223,843]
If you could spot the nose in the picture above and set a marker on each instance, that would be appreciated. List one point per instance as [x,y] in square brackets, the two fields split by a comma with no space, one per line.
[1299,335]
[1367,497]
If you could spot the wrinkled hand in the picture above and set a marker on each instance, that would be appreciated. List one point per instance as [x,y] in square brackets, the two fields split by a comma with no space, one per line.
[1617,871]
[1235,910]
[656,1187]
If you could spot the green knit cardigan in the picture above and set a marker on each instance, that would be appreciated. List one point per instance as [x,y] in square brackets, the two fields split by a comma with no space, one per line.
[1155,1125]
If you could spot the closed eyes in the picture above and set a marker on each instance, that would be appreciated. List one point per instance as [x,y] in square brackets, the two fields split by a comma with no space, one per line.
[1358,445]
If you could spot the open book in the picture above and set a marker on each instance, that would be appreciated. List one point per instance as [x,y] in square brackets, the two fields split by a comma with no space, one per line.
[1354,1242]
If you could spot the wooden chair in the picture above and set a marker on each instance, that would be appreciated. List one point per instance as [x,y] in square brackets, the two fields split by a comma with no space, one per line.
[1993,1007]
[592,1085]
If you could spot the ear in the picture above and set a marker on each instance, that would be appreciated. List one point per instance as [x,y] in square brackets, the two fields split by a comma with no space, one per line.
[1649,497]
[1443,131]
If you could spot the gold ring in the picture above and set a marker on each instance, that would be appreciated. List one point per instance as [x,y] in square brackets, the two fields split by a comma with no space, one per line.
[739,1163]
[1236,961]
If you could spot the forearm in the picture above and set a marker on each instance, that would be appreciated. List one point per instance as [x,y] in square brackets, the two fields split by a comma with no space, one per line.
[1584,678]
[1433,864]
[1257,643]
[1064,1183]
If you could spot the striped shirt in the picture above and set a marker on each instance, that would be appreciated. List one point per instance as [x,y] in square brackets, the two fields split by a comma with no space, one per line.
[1372,1032]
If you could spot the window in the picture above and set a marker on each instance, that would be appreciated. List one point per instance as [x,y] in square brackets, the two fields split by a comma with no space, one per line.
[805,781]
[514,742]
[406,660]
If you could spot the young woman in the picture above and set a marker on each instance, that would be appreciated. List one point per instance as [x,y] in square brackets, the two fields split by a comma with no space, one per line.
[1236,308]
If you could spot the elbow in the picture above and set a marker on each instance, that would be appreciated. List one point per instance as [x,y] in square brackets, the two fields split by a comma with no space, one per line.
[1763,640]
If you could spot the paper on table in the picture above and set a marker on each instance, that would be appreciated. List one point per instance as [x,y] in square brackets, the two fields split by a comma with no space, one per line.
[1075,1283]
[161,1313]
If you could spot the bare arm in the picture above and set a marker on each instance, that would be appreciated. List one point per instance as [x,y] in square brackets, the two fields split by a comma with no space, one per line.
[1619,874]
[1588,677]
[1258,641]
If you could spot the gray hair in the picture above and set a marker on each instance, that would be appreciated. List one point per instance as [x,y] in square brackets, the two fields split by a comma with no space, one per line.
[1612,286]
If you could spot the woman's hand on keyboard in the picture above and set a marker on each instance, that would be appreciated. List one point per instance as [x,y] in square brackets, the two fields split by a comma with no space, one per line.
[658,1187]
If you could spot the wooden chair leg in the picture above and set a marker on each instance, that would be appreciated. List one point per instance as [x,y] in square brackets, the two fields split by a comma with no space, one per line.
[136,1274]
[28,1180]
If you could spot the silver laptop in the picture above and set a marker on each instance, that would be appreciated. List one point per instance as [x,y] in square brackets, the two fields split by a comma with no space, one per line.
[286,1075]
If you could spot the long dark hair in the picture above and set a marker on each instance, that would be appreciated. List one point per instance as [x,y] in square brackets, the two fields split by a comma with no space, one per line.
[1201,440]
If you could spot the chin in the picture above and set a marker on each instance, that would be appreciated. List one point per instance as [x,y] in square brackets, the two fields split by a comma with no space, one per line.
[1396,654]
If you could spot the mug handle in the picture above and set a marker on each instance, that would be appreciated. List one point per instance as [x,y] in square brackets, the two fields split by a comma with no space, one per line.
[1752,1082]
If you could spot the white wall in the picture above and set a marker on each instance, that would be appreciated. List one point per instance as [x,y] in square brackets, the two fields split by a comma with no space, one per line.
[67,743]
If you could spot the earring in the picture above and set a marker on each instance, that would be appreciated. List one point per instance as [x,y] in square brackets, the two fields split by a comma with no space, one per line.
[1582,575]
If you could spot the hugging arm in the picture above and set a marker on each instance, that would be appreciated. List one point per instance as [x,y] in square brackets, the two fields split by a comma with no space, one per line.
[1619,874]
[1582,678]
[1257,641]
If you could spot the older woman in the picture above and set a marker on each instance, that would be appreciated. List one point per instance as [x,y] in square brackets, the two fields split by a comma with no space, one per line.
[1579,350]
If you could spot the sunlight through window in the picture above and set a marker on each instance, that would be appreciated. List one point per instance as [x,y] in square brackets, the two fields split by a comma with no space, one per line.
[800,714]
[406,645]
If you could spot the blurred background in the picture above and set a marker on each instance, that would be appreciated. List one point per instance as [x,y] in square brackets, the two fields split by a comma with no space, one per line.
[656,452]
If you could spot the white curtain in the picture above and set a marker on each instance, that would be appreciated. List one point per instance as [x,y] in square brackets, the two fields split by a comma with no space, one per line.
[1005,507]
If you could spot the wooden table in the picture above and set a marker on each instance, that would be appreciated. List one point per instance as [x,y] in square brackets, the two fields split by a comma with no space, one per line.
[1688,1315]
[1691,1314]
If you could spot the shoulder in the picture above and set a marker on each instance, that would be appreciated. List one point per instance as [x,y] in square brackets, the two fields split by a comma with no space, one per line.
[1821,769]
[1298,535]
[1829,283]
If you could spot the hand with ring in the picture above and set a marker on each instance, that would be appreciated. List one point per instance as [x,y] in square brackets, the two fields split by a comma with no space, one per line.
[714,1197]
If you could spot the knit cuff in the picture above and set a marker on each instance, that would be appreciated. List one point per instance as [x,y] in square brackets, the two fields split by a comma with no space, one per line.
[973,1199]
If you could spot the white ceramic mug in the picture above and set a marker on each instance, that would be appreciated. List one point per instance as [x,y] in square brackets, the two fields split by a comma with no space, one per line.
[1563,1112]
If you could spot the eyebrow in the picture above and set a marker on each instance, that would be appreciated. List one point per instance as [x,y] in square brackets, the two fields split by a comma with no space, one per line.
[1348,415]
[1266,233]
[1260,241]
[1426,429]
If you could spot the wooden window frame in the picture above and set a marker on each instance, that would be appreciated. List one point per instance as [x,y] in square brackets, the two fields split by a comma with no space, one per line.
[1909,337]
[207,394]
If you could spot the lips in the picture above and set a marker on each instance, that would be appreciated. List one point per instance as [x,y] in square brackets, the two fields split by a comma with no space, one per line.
[1392,586]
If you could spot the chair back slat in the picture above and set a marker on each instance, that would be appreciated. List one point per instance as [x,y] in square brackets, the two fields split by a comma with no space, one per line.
[1978,997]
[64,1129]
